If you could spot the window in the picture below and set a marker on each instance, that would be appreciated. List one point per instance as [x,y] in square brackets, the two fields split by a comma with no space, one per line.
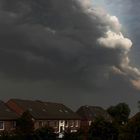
[48,123]
[72,123]
[55,123]
[40,123]
[89,123]
[61,129]
[76,123]
[66,123]
[14,124]
[60,110]
[1,125]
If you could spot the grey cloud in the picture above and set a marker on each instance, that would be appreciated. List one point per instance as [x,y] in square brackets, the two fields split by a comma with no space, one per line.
[54,40]
[129,13]
[63,46]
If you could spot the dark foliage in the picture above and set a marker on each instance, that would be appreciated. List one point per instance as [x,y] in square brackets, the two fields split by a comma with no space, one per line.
[132,130]
[100,129]
[79,135]
[25,124]
[45,133]
[120,113]
[40,134]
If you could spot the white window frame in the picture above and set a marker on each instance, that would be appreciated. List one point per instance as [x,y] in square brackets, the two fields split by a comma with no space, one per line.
[61,124]
[2,125]
[89,123]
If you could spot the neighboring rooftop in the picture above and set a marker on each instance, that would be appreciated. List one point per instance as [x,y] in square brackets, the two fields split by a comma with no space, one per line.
[91,112]
[46,110]
[59,110]
[6,113]
[135,118]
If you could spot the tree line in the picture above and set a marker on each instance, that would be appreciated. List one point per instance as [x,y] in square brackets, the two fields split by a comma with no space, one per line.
[120,127]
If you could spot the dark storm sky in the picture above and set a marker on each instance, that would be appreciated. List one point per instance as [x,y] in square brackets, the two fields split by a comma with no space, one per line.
[65,51]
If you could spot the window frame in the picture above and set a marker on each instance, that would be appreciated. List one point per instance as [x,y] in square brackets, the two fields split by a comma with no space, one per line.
[76,123]
[2,125]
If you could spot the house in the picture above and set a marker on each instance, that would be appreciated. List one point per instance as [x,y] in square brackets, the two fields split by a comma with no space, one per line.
[7,118]
[90,113]
[55,115]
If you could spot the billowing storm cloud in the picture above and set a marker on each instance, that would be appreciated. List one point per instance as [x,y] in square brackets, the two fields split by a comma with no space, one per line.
[67,43]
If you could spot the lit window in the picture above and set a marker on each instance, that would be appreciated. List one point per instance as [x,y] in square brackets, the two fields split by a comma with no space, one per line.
[1,125]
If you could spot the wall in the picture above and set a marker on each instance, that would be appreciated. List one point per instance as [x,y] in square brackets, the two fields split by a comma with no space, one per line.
[71,125]
[9,126]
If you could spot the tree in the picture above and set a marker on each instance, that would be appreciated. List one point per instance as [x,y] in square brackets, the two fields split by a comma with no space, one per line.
[25,124]
[132,129]
[45,133]
[101,129]
[138,105]
[120,113]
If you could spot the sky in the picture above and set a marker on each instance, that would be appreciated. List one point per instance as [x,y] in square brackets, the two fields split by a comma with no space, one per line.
[78,52]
